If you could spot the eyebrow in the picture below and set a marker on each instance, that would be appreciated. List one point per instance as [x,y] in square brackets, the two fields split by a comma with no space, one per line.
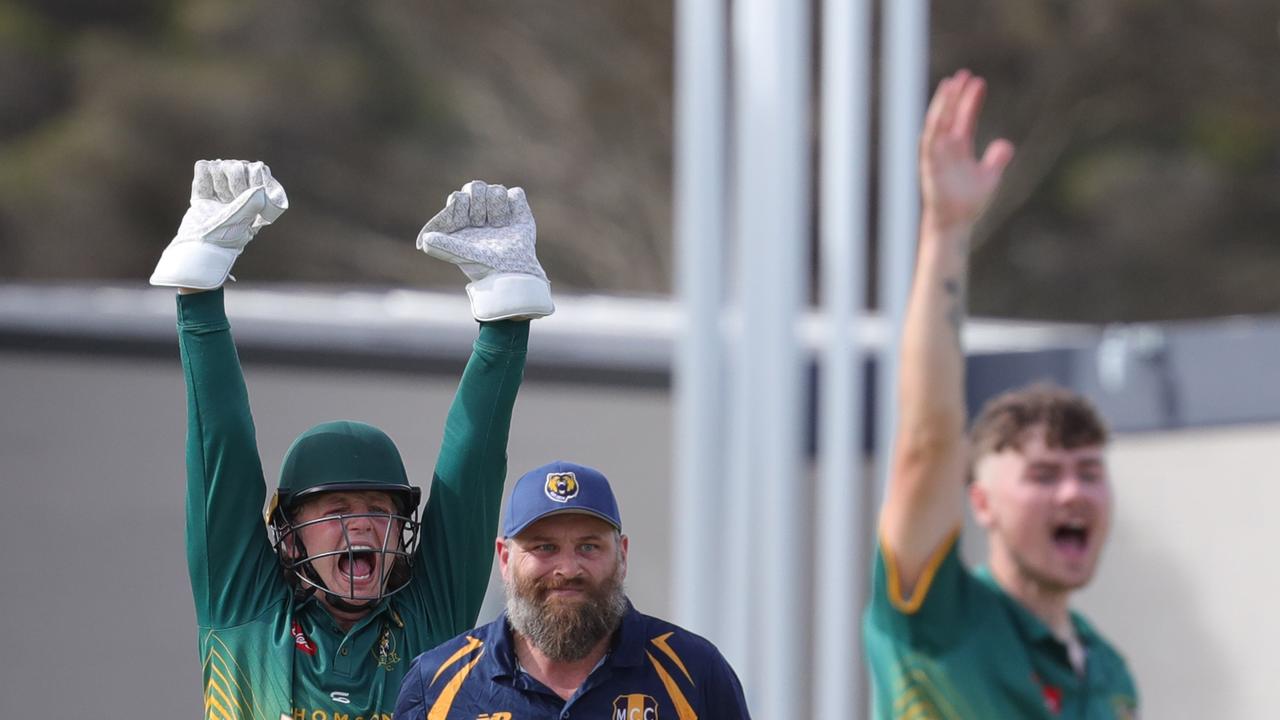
[1090,463]
[1044,465]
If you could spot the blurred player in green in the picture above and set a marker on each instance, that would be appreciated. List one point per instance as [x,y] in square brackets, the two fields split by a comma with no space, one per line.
[999,642]
[319,615]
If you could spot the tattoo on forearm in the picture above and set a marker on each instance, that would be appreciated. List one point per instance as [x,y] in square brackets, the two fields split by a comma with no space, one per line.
[955,311]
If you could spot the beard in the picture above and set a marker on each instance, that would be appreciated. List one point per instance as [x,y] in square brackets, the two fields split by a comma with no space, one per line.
[565,631]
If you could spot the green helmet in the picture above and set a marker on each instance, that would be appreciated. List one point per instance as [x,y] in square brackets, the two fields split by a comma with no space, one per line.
[343,455]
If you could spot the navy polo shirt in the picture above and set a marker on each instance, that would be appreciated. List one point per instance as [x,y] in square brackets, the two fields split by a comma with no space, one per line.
[654,671]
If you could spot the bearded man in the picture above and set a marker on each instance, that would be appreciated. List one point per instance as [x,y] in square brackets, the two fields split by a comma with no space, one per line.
[570,643]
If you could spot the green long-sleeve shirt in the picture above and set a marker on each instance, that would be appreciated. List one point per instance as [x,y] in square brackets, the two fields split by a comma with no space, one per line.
[265,655]
[961,649]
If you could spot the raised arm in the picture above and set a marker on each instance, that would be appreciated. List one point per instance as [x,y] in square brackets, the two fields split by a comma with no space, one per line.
[924,503]
[229,558]
[488,231]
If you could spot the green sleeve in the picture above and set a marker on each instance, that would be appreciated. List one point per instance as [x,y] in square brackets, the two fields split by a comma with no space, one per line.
[460,520]
[941,605]
[233,568]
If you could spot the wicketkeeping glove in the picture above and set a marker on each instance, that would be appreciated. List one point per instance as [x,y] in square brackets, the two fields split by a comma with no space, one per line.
[230,201]
[489,232]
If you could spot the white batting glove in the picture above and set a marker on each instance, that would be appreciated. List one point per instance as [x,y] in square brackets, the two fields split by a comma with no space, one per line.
[489,232]
[230,201]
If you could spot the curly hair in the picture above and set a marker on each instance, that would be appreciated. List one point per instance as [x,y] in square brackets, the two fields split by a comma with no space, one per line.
[1069,420]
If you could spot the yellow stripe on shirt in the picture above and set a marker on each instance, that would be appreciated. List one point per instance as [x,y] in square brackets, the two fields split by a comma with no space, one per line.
[683,710]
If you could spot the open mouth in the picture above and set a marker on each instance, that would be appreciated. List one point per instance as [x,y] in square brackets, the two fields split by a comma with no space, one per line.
[1071,537]
[357,564]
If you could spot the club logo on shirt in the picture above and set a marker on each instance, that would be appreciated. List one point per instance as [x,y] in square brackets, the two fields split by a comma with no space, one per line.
[1052,696]
[561,486]
[634,707]
[386,653]
[301,641]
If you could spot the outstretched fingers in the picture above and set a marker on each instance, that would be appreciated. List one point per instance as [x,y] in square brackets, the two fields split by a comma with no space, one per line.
[955,183]
[997,157]
[942,108]
[968,108]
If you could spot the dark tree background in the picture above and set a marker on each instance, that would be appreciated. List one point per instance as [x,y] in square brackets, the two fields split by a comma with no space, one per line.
[1145,187]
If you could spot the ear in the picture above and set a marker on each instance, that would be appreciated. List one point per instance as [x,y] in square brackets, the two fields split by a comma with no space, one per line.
[623,544]
[980,502]
[504,554]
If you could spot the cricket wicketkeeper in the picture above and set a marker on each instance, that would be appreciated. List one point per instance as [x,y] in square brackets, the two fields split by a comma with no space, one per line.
[318,612]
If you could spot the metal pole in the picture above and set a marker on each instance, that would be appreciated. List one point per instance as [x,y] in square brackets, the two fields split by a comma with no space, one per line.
[699,208]
[772,65]
[841,588]
[742,504]
[905,72]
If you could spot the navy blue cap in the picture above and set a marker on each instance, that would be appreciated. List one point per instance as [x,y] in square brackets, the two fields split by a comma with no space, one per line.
[560,487]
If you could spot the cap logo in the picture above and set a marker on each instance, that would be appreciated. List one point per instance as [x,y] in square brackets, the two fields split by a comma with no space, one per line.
[561,487]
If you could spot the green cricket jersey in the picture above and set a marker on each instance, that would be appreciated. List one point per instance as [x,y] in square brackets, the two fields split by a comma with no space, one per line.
[961,649]
[267,657]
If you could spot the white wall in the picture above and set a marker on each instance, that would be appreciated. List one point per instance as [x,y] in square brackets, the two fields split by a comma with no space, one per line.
[1188,585]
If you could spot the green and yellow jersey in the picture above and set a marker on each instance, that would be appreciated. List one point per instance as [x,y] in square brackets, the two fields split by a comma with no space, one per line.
[961,649]
[267,656]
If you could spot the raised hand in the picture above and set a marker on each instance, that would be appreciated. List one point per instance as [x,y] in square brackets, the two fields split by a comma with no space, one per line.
[489,232]
[230,201]
[956,186]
